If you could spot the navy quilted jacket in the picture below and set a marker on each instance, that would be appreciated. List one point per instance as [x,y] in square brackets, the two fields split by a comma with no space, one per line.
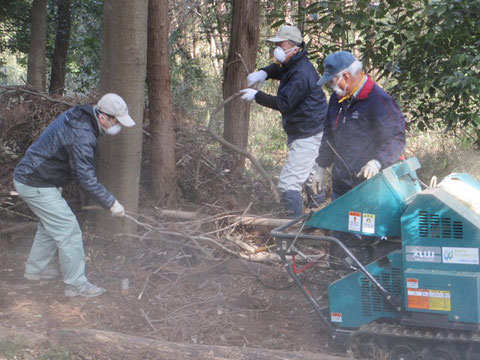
[64,152]
[300,100]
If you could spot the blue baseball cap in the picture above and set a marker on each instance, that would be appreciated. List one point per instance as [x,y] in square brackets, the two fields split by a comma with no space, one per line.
[334,63]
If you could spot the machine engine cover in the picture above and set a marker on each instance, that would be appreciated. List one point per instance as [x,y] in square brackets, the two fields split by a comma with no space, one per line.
[354,301]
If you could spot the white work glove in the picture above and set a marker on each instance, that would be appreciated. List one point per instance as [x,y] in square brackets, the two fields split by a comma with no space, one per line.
[257,77]
[248,94]
[317,179]
[117,209]
[370,169]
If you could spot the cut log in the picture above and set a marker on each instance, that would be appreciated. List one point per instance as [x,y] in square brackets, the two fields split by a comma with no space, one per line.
[187,215]
[111,345]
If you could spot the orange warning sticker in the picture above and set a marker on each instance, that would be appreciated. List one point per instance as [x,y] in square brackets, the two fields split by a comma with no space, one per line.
[429,299]
[416,299]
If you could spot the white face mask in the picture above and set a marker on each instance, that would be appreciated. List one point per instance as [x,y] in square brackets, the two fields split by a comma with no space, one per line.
[340,92]
[281,55]
[113,130]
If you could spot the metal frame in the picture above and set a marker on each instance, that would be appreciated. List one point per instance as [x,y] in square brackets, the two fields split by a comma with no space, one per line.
[284,248]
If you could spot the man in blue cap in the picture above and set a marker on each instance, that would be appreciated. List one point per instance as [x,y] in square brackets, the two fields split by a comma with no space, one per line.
[365,129]
[303,107]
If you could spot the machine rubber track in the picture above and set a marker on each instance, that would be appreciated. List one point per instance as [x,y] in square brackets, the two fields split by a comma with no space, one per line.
[398,342]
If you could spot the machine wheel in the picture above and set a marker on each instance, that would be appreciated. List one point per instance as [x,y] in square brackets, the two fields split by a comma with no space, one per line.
[446,352]
[370,347]
[403,351]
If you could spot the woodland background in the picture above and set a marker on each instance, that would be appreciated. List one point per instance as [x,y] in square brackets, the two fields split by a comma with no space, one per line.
[180,64]
[176,61]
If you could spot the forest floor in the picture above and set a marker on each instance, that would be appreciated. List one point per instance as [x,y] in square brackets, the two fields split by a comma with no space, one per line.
[174,295]
[182,289]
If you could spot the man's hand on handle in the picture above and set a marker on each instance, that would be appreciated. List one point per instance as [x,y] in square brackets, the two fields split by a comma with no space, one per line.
[117,209]
[256,77]
[370,169]
[248,94]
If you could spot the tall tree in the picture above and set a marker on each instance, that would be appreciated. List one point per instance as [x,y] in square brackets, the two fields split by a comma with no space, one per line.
[37,51]
[244,42]
[162,150]
[123,70]
[64,20]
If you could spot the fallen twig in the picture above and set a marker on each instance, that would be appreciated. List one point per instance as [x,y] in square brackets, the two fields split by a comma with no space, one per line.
[148,319]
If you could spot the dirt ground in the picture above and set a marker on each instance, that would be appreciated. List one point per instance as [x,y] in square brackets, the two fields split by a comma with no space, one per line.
[179,290]
[175,294]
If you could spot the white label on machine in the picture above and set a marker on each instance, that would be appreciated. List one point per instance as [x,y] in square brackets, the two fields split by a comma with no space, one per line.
[336,317]
[455,255]
[412,283]
[423,253]
[368,223]
[354,221]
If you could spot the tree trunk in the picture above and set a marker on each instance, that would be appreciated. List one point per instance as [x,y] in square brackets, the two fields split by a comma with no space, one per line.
[57,78]
[244,41]
[123,69]
[301,15]
[220,15]
[38,41]
[289,12]
[162,149]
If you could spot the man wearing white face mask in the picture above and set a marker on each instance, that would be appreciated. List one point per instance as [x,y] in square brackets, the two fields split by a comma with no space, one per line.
[65,152]
[365,129]
[303,107]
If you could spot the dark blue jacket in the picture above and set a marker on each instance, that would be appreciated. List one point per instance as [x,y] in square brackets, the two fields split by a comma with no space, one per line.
[64,152]
[300,100]
[370,126]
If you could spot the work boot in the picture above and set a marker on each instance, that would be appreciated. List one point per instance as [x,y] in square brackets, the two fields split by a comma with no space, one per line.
[86,290]
[50,272]
[293,203]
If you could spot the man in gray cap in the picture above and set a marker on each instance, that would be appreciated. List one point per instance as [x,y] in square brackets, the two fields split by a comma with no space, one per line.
[64,152]
[303,107]
[365,129]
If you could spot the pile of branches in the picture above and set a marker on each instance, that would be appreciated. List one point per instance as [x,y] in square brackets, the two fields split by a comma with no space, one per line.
[23,117]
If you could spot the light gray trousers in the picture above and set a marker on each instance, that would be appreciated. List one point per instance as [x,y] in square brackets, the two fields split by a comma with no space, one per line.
[57,229]
[298,168]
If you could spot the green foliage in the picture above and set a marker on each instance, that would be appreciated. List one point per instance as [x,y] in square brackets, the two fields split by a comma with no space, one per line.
[83,62]
[427,54]
[15,25]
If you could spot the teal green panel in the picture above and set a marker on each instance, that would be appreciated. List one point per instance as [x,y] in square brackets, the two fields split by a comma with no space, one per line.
[375,206]
[443,292]
[440,232]
[355,302]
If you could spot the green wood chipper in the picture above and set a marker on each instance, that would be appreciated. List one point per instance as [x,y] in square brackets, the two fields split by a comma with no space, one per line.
[419,301]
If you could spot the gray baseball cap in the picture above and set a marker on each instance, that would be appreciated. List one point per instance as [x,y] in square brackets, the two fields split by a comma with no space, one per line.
[334,63]
[114,105]
[287,32]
